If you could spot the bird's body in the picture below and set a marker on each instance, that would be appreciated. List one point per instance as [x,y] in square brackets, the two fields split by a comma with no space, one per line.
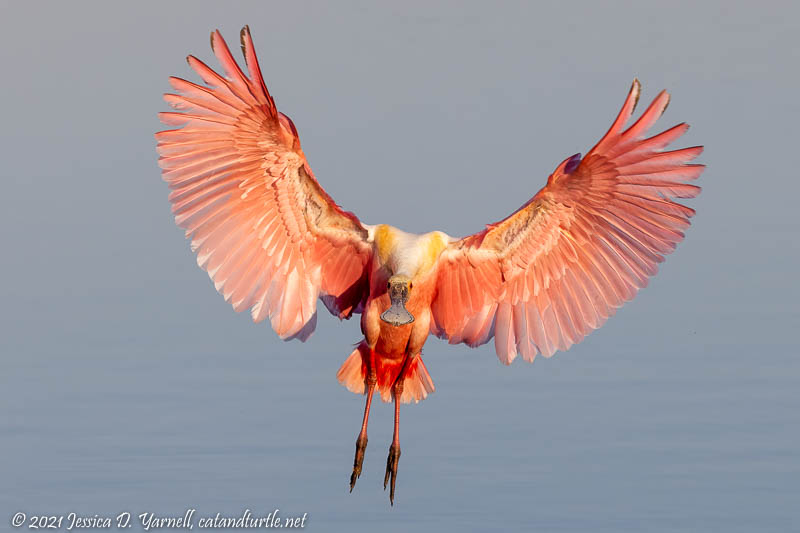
[538,281]
[397,253]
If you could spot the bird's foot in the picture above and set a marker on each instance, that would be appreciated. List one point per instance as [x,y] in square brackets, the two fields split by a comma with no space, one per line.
[391,469]
[361,446]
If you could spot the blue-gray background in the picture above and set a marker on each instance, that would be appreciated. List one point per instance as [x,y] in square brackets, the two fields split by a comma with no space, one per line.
[127,383]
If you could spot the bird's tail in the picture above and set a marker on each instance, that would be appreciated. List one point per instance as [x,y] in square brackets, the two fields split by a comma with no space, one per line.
[353,372]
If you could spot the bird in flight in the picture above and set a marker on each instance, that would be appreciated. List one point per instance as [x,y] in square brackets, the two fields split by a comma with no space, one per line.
[273,241]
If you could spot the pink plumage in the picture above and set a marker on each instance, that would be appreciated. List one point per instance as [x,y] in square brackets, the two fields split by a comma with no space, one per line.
[274,242]
[240,190]
[580,248]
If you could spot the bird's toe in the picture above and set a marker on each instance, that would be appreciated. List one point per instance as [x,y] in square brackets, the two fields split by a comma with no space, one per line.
[391,470]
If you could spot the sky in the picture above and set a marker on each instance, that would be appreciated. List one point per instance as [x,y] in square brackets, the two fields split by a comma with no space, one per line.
[128,383]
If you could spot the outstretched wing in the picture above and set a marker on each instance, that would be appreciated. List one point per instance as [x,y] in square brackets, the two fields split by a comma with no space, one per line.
[558,267]
[268,235]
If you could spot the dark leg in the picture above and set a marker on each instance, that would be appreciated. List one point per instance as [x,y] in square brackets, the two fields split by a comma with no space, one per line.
[394,450]
[361,441]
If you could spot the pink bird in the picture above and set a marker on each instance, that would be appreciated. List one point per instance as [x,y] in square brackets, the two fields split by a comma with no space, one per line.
[538,281]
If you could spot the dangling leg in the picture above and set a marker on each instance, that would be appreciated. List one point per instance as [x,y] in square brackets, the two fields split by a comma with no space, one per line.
[394,449]
[361,442]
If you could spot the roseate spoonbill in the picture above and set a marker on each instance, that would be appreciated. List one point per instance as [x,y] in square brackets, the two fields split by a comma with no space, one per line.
[538,281]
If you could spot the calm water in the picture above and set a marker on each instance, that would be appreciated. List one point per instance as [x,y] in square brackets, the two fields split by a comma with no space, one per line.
[127,384]
[677,436]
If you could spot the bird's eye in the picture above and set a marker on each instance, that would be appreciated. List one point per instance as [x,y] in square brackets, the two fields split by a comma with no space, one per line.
[410,285]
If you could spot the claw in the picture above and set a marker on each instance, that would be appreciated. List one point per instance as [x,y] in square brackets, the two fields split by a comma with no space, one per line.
[391,470]
[361,446]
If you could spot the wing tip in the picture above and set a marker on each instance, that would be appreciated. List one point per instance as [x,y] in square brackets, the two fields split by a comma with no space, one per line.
[667,98]
[218,44]
[243,34]
[636,91]
[246,43]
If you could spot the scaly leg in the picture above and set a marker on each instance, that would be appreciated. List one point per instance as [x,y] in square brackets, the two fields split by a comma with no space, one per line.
[361,442]
[394,450]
